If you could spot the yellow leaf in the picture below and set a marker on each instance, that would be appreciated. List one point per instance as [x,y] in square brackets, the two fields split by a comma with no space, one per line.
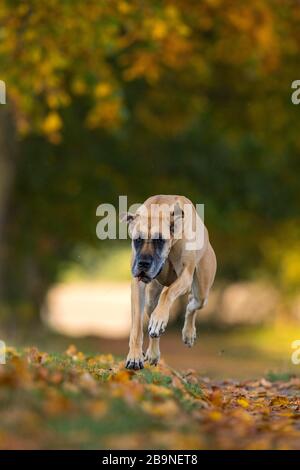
[159,29]
[215,415]
[124,7]
[122,376]
[165,409]
[158,390]
[243,402]
[102,90]
[280,401]
[52,123]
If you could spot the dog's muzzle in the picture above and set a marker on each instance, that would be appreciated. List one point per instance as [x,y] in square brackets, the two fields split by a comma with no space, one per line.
[144,271]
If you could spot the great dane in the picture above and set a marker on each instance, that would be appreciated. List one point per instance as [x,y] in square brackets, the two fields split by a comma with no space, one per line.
[171,256]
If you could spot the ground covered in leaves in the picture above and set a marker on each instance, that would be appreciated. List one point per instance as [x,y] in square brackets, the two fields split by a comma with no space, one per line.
[77,401]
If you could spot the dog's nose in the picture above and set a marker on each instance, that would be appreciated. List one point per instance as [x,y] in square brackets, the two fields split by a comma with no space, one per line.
[145,263]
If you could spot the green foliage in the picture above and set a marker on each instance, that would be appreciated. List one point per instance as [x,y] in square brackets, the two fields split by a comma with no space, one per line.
[111,265]
[139,98]
[278,376]
[152,376]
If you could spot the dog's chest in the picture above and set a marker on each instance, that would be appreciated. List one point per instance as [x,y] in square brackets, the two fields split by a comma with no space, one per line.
[167,275]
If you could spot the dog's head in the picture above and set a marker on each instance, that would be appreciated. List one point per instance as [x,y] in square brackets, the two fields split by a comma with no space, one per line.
[153,233]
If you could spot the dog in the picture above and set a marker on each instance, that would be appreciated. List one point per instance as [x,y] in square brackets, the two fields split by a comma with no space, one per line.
[171,256]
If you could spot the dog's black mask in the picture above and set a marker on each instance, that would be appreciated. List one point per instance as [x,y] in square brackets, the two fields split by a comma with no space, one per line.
[149,259]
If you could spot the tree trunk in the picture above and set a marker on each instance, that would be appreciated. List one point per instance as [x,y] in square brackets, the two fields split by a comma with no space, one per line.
[8,164]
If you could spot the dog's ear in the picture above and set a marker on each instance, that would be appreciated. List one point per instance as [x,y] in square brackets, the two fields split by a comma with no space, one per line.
[176,219]
[126,217]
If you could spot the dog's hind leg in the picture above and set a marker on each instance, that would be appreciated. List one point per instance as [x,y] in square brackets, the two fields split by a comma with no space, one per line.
[153,291]
[189,328]
[153,352]
[202,281]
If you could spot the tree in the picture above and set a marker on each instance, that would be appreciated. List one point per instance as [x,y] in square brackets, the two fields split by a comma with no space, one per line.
[181,95]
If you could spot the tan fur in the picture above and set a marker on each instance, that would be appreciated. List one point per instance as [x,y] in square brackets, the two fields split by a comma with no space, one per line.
[184,271]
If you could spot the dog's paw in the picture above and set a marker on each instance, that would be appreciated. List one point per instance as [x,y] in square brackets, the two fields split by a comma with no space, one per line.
[189,336]
[135,361]
[157,326]
[152,357]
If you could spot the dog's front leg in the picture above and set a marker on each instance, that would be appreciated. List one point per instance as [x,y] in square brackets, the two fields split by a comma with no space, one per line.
[160,316]
[153,291]
[135,355]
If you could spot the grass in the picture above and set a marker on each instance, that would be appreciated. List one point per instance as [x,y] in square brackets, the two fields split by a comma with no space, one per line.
[72,400]
[233,353]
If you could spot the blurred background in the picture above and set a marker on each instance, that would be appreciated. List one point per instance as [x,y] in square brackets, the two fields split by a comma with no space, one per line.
[140,98]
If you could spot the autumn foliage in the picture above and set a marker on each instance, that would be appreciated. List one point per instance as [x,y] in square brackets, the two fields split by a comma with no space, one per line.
[138,98]
[53,51]
[74,400]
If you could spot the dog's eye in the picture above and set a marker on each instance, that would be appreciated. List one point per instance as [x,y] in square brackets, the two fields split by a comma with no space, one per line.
[158,242]
[138,242]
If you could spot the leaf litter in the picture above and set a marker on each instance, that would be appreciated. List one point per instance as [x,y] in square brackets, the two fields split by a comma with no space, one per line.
[76,401]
